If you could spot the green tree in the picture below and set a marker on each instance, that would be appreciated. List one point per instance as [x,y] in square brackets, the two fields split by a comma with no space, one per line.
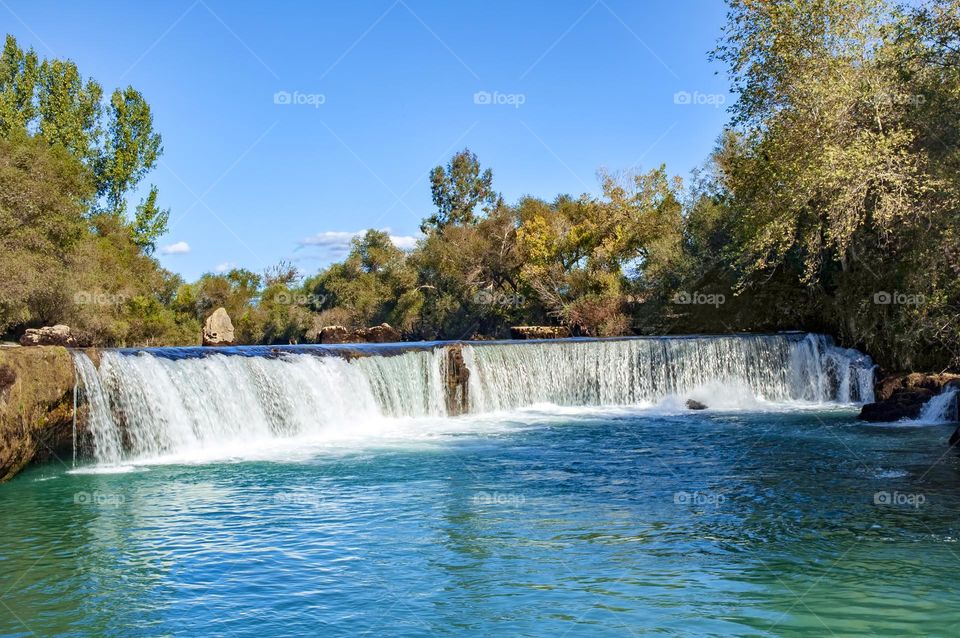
[42,194]
[457,190]
[149,222]
[130,150]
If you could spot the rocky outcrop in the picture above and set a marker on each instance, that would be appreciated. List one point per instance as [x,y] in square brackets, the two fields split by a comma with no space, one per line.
[902,396]
[334,334]
[457,379]
[384,333]
[539,332]
[58,335]
[36,406]
[693,404]
[218,329]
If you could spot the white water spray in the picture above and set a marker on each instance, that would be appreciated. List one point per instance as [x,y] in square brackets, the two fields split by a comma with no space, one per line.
[941,408]
[148,404]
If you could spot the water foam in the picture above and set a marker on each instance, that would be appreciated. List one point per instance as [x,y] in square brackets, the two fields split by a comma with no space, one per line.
[145,406]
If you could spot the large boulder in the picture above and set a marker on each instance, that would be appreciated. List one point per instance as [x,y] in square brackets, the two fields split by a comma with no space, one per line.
[58,335]
[218,329]
[539,332]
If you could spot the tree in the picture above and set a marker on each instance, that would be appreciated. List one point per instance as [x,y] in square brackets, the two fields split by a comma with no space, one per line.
[130,150]
[19,74]
[149,223]
[457,190]
[373,284]
[42,194]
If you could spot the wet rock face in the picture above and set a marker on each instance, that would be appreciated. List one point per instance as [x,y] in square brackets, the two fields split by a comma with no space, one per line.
[457,377]
[218,329]
[693,404]
[36,406]
[384,333]
[58,335]
[539,332]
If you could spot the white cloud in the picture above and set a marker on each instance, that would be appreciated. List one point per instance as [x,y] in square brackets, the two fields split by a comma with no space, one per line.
[179,248]
[335,244]
[225,266]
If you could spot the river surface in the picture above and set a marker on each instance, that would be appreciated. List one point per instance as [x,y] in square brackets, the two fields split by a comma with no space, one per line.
[777,520]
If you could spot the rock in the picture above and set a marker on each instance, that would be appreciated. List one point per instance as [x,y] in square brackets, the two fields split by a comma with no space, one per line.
[457,376]
[58,335]
[384,333]
[888,385]
[36,406]
[218,329]
[334,334]
[693,404]
[539,332]
[905,404]
[902,396]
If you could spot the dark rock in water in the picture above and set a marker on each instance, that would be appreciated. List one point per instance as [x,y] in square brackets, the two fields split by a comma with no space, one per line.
[539,332]
[902,405]
[457,376]
[58,335]
[693,404]
[218,329]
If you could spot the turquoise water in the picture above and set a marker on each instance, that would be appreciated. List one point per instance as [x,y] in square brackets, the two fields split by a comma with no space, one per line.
[553,522]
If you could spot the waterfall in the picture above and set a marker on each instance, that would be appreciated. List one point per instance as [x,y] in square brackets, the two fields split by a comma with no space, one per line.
[149,403]
[941,408]
[631,371]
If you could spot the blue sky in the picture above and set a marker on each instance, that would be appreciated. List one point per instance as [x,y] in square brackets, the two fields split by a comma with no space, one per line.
[288,127]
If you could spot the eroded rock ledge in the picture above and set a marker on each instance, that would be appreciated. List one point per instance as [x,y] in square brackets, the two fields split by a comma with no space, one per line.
[36,406]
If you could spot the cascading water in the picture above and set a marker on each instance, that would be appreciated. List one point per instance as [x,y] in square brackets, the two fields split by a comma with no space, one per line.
[630,371]
[145,404]
[941,408]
